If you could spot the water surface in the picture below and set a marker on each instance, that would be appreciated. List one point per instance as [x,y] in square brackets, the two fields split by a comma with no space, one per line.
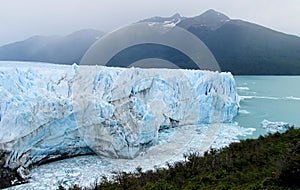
[275,98]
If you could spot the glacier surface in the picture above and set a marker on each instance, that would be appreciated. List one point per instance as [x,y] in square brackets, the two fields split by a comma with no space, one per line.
[48,111]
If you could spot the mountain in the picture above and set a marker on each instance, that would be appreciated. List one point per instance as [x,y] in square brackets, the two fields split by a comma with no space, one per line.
[55,49]
[242,47]
[246,48]
[239,47]
[210,20]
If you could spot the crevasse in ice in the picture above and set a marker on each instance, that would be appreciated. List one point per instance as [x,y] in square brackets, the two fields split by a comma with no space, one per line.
[48,111]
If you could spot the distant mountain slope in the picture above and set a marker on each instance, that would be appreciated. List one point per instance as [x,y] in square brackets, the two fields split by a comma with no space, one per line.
[239,47]
[246,48]
[56,49]
[242,47]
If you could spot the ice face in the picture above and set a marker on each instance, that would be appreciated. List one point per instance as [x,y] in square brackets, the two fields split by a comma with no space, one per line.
[37,122]
[120,111]
[50,110]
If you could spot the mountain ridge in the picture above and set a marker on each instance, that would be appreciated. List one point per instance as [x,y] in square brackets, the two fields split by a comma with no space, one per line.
[57,49]
[240,47]
[210,19]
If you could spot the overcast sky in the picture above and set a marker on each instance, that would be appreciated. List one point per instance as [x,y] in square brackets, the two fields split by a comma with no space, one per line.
[20,19]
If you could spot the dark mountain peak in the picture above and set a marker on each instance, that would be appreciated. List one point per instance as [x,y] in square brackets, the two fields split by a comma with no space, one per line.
[210,19]
[212,14]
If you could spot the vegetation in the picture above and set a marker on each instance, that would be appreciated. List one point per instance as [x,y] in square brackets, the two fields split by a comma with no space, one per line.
[270,162]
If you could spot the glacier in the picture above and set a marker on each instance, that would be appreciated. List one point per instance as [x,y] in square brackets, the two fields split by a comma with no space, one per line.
[50,111]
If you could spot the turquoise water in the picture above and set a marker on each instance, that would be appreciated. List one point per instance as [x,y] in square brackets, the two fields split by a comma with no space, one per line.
[275,98]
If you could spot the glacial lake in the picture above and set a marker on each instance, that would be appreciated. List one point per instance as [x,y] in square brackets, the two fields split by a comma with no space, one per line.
[275,98]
